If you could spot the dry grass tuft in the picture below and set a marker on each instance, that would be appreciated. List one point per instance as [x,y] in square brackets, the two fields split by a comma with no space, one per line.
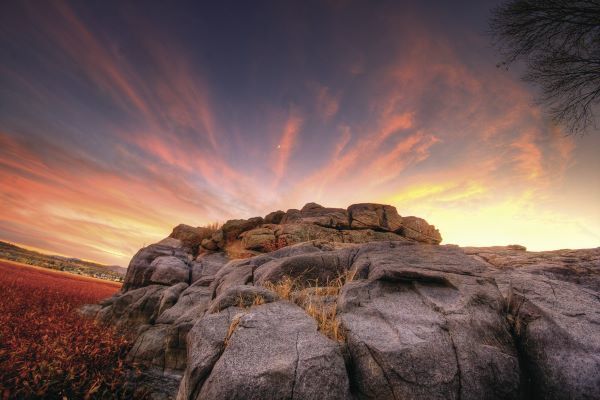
[284,288]
[232,327]
[213,227]
[327,321]
[302,292]
[258,300]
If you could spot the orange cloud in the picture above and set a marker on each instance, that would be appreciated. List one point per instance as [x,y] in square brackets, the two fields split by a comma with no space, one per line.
[286,145]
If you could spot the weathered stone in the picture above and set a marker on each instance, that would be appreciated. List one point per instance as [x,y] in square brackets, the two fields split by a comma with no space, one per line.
[141,269]
[422,321]
[169,270]
[237,272]
[275,352]
[418,229]
[134,308]
[556,324]
[207,265]
[234,227]
[191,305]
[274,217]
[209,244]
[317,267]
[241,296]
[89,310]
[190,237]
[293,233]
[374,216]
[415,331]
[369,235]
[260,239]
[313,213]
[205,344]
[162,346]
[170,296]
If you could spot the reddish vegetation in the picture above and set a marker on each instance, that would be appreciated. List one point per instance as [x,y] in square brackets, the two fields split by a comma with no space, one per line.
[46,348]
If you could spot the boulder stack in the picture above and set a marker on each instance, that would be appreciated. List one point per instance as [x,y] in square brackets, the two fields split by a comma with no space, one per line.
[356,303]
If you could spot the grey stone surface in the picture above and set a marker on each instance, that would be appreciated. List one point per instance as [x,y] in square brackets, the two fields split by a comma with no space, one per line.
[206,342]
[134,308]
[418,229]
[557,326]
[374,216]
[275,352]
[416,330]
[162,346]
[207,265]
[241,296]
[140,268]
[190,237]
[191,305]
[313,213]
[169,270]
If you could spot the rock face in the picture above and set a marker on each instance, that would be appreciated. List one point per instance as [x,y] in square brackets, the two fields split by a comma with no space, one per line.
[359,223]
[374,216]
[357,303]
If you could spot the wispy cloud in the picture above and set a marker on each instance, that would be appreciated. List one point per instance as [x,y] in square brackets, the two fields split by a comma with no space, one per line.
[286,145]
[111,133]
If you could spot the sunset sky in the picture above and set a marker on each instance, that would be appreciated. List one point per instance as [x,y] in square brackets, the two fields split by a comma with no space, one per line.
[118,122]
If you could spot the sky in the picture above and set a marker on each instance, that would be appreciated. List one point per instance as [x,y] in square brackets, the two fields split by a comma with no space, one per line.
[120,120]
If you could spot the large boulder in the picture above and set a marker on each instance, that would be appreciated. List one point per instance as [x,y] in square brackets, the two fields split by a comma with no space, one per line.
[162,346]
[313,213]
[556,324]
[233,228]
[141,268]
[305,268]
[169,270]
[418,229]
[260,239]
[374,216]
[134,308]
[275,352]
[190,306]
[293,233]
[207,265]
[205,344]
[418,329]
[190,237]
[274,217]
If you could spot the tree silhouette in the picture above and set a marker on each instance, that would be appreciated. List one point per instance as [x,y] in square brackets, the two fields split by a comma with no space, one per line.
[559,40]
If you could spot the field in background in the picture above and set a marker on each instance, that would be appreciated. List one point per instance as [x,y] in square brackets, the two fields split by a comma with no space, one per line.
[18,254]
[46,348]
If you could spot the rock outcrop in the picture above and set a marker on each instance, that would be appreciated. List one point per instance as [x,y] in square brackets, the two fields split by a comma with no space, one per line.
[359,223]
[356,303]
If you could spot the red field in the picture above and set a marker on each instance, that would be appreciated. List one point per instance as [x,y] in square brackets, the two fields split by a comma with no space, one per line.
[46,349]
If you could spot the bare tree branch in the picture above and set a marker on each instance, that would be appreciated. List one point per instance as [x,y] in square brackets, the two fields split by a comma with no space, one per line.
[559,40]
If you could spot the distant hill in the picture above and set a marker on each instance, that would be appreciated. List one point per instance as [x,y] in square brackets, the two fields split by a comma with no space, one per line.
[11,252]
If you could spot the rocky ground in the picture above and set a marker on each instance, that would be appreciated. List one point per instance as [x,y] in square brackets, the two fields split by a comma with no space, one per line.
[357,303]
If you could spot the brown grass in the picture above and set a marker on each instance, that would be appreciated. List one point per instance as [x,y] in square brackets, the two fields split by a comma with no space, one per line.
[213,227]
[47,350]
[300,291]
[232,327]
